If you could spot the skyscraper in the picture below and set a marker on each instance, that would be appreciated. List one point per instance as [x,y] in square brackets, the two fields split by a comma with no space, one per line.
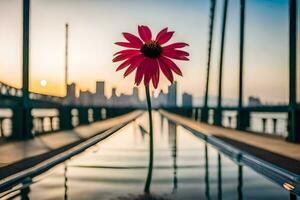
[71,94]
[99,98]
[187,100]
[100,88]
[172,95]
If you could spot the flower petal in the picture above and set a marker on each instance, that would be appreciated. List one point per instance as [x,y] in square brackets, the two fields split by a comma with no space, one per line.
[175,45]
[149,69]
[124,56]
[132,60]
[140,72]
[155,76]
[126,44]
[170,64]
[123,65]
[175,52]
[135,62]
[145,33]
[134,40]
[165,70]
[134,51]
[162,32]
[165,37]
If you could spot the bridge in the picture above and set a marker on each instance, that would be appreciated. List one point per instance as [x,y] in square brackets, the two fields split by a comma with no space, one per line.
[21,103]
[25,115]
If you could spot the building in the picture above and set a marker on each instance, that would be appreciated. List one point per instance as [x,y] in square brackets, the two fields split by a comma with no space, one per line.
[86,98]
[71,94]
[160,100]
[187,100]
[99,98]
[172,95]
[254,101]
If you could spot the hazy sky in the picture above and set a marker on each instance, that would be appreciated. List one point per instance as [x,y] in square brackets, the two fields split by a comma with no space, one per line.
[96,24]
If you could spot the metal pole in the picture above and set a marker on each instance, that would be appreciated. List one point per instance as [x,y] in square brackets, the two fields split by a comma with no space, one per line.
[240,182]
[204,112]
[26,118]
[207,190]
[219,177]
[66,57]
[294,115]
[240,102]
[218,118]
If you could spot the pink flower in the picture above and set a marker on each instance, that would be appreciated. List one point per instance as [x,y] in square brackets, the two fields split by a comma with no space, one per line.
[147,56]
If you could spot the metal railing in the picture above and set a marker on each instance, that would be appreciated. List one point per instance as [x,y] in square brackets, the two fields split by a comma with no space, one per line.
[271,120]
[50,119]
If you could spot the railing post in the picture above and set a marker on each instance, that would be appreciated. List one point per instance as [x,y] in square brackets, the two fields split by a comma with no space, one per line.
[83,115]
[218,116]
[65,118]
[264,125]
[17,123]
[218,111]
[243,120]
[230,121]
[274,125]
[97,113]
[294,114]
[240,116]
[26,118]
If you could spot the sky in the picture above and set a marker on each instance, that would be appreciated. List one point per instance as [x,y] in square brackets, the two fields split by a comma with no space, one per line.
[96,24]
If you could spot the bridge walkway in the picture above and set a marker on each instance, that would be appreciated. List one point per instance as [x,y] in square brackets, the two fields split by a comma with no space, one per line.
[17,156]
[273,150]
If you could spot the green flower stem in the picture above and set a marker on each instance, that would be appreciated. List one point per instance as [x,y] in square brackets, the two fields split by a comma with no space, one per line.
[150,167]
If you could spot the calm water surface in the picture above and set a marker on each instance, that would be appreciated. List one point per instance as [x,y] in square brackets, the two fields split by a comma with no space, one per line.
[116,168]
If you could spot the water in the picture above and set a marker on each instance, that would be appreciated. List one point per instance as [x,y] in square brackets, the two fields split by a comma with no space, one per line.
[184,168]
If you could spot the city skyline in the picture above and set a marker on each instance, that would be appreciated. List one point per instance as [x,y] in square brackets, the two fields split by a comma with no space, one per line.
[92,34]
[98,98]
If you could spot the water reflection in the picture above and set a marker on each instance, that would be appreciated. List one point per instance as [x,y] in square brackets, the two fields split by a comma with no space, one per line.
[173,146]
[66,181]
[240,182]
[219,177]
[207,193]
[185,168]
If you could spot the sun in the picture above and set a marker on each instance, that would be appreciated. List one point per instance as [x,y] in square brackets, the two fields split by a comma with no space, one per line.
[43,83]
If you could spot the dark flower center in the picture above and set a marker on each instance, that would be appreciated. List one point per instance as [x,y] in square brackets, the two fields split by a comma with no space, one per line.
[151,49]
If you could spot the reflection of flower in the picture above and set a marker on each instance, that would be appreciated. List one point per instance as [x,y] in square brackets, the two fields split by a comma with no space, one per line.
[147,56]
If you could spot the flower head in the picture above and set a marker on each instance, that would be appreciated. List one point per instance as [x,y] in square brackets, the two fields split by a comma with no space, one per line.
[148,57]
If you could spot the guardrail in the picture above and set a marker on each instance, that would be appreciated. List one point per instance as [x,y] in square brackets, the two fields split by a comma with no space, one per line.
[50,119]
[271,120]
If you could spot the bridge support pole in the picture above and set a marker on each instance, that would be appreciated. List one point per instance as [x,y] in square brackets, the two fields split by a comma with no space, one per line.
[83,115]
[294,114]
[65,118]
[26,122]
[97,114]
[218,111]
[240,114]
[204,111]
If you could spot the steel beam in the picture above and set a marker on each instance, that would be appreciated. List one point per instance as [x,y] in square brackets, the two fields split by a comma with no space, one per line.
[294,114]
[218,111]
[240,116]
[204,111]
[26,118]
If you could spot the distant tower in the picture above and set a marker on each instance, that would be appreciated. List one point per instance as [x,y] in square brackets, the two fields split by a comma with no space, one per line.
[66,56]
[135,95]
[172,95]
[100,88]
[99,97]
[187,100]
